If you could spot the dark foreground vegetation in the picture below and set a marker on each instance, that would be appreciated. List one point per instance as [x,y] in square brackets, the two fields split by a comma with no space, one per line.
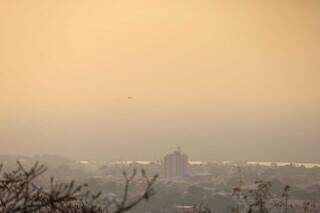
[27,189]
[20,193]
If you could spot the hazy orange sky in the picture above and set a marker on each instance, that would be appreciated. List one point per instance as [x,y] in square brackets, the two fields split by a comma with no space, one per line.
[225,79]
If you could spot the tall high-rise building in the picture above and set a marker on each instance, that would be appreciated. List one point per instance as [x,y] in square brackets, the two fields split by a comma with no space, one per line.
[176,164]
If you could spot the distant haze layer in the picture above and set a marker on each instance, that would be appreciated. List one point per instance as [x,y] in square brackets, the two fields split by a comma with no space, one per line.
[103,79]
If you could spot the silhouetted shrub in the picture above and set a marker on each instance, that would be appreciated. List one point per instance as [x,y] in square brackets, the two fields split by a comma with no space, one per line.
[20,194]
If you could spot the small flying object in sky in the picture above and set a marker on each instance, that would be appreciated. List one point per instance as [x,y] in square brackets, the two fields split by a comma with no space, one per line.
[130,97]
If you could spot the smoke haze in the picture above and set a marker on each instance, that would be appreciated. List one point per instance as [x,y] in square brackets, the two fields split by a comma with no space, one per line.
[225,80]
